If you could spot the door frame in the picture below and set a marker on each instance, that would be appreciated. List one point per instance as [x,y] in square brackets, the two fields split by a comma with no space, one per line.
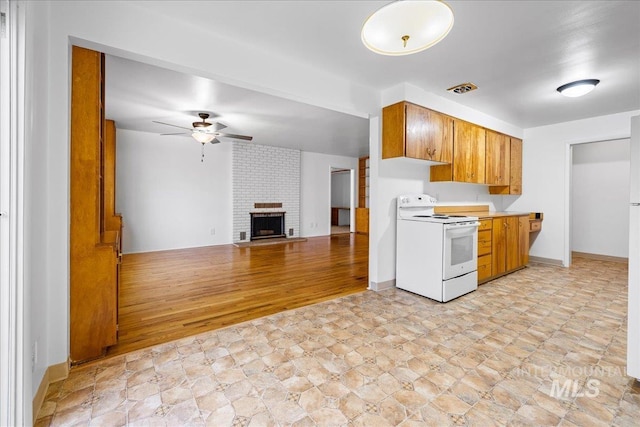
[566,261]
[15,389]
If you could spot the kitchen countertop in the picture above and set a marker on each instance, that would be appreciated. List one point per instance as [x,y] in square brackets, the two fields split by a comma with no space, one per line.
[499,214]
[482,215]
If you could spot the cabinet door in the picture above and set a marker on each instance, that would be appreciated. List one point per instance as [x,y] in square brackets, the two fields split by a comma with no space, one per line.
[498,148]
[362,220]
[484,242]
[468,152]
[429,134]
[484,267]
[513,252]
[393,127]
[523,244]
[515,167]
[499,246]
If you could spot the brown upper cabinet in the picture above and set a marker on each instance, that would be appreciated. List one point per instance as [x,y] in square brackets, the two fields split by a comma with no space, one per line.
[468,155]
[468,152]
[497,157]
[409,130]
[514,186]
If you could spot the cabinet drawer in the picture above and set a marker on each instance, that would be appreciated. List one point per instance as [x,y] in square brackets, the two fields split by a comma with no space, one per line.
[484,242]
[484,267]
[535,225]
[485,224]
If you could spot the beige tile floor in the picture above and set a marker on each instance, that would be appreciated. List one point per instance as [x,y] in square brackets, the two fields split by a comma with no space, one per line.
[543,346]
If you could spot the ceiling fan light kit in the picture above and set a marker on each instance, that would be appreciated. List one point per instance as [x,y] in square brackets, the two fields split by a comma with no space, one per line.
[405,27]
[578,88]
[203,137]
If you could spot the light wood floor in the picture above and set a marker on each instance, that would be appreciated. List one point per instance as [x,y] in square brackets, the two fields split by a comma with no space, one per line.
[173,294]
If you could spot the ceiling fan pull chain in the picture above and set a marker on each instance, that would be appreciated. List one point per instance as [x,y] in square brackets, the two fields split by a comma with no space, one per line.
[202,158]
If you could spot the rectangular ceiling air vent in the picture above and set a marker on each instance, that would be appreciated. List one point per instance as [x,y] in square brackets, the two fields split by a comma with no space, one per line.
[463,88]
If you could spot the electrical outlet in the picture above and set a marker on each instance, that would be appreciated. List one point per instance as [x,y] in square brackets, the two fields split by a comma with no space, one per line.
[212,231]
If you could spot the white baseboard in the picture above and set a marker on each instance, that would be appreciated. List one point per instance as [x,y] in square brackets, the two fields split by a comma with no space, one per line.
[548,261]
[53,374]
[600,257]
[381,286]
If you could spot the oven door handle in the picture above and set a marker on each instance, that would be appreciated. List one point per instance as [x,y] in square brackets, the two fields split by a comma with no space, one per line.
[461,228]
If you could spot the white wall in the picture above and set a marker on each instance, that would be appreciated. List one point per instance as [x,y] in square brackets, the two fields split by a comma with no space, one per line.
[168,198]
[340,189]
[139,33]
[315,191]
[42,300]
[546,176]
[600,198]
[341,195]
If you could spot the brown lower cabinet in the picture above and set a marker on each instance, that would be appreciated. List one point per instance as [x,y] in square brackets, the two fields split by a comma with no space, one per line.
[362,220]
[503,246]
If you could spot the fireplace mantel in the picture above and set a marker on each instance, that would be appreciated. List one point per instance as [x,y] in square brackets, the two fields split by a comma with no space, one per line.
[268,210]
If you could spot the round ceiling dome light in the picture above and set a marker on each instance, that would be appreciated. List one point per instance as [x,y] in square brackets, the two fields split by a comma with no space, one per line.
[578,88]
[407,26]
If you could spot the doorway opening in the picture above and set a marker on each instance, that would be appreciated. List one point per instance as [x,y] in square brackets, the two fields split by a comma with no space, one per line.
[342,200]
[599,200]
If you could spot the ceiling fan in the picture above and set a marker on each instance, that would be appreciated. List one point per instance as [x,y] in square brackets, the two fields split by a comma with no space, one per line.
[205,131]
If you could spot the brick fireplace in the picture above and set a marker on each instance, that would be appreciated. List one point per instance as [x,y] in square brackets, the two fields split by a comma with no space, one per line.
[266,192]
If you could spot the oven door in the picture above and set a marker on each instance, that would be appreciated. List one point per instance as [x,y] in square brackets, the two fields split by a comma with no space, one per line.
[460,249]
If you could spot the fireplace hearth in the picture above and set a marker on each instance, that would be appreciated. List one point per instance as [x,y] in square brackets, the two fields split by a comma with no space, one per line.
[267,225]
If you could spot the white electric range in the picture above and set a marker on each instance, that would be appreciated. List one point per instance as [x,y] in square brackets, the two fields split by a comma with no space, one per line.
[437,255]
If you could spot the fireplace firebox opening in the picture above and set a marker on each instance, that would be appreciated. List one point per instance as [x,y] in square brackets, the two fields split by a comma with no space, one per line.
[267,225]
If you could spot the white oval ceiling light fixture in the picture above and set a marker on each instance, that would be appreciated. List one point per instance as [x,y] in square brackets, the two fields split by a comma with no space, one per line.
[578,88]
[407,26]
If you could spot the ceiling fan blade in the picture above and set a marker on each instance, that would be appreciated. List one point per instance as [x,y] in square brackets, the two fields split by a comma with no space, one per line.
[177,133]
[230,135]
[169,124]
[215,141]
[218,126]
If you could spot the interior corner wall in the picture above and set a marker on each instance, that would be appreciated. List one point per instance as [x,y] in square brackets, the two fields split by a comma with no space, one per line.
[168,198]
[315,191]
[600,198]
[545,174]
[265,174]
[40,298]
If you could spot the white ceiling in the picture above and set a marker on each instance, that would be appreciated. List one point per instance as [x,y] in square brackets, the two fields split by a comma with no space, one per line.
[517,52]
[139,93]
